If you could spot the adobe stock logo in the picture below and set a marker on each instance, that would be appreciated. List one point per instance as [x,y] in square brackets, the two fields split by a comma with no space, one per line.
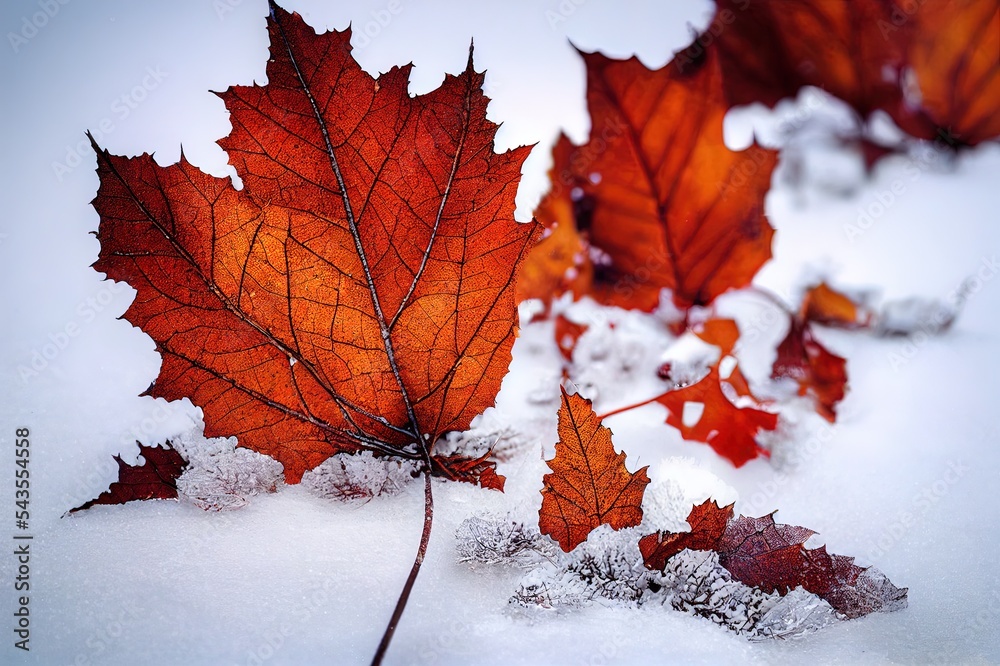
[121,108]
[31,25]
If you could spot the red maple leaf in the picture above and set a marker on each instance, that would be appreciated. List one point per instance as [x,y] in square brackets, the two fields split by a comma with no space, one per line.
[953,91]
[357,292]
[819,372]
[769,49]
[589,484]
[730,430]
[655,200]
[773,557]
[155,478]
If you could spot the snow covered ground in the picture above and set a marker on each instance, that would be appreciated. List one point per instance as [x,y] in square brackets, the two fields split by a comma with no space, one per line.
[905,480]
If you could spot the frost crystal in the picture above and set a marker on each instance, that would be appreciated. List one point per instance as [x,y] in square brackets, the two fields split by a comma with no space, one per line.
[489,434]
[359,476]
[492,539]
[796,614]
[694,582]
[606,568]
[220,476]
[665,506]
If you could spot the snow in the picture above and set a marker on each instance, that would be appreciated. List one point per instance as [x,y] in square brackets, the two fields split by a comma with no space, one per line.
[905,480]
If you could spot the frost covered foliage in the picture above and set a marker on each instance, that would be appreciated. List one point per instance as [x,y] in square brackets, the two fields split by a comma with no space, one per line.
[359,476]
[492,539]
[489,434]
[607,568]
[220,476]
[694,582]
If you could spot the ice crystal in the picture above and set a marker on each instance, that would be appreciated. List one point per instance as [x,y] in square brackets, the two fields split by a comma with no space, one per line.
[359,476]
[221,476]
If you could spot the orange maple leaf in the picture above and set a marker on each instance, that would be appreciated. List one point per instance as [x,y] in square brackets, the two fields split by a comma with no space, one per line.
[559,263]
[357,292]
[655,197]
[769,49]
[953,53]
[589,484]
[824,305]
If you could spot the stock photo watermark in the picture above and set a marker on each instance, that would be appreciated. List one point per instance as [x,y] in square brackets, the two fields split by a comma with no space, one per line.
[271,640]
[929,327]
[112,627]
[920,506]
[34,23]
[86,312]
[869,214]
[121,108]
[22,539]
[563,12]
[693,53]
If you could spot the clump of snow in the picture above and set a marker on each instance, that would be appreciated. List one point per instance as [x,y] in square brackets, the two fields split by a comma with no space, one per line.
[359,476]
[607,569]
[689,359]
[665,505]
[221,476]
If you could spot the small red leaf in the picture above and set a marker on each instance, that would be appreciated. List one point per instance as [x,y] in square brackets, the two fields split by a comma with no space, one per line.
[155,478]
[728,429]
[818,371]
[480,471]
[567,333]
[708,522]
[773,557]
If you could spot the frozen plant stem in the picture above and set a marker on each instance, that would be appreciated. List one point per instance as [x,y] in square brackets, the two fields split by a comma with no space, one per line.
[425,538]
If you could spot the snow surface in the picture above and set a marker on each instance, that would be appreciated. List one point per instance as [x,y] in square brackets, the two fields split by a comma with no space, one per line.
[905,480]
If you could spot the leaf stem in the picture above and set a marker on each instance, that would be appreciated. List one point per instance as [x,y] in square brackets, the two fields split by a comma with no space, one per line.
[633,406]
[425,538]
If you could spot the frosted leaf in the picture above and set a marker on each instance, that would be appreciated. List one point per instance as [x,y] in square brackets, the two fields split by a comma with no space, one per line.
[221,476]
[492,539]
[912,315]
[695,582]
[606,568]
[359,476]
[872,592]
[796,614]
